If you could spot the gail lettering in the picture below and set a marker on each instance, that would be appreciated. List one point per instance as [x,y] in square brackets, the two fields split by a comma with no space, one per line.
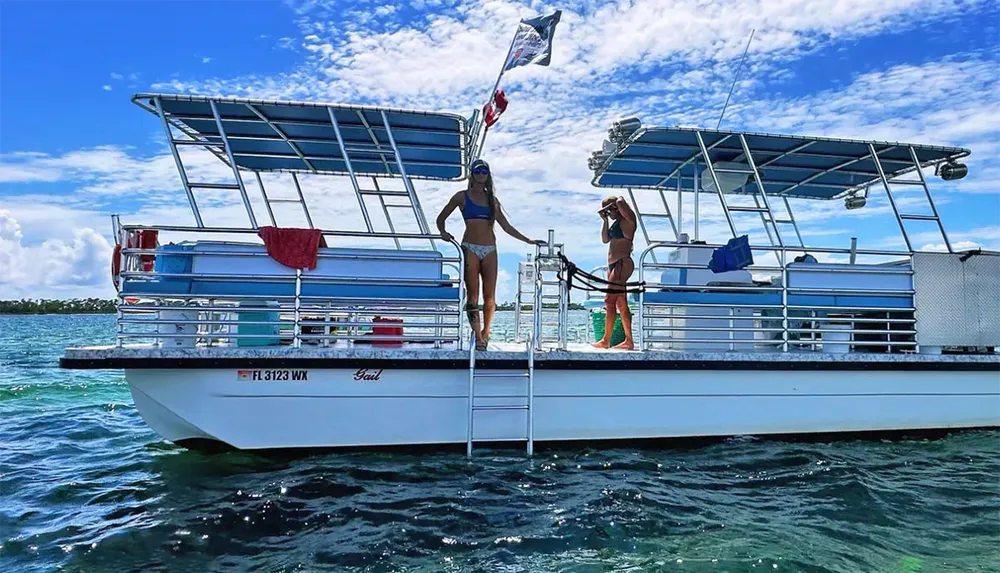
[368,375]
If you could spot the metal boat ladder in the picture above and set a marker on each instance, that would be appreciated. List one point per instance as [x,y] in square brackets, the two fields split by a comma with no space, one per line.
[887,183]
[643,216]
[527,408]
[762,204]
[218,145]
[383,150]
[524,318]
[550,307]
[387,153]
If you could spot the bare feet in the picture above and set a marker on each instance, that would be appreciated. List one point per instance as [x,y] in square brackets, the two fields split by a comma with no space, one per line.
[481,345]
[602,344]
[627,345]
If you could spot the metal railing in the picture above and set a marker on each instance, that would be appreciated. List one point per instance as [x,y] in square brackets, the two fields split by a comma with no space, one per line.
[287,315]
[776,322]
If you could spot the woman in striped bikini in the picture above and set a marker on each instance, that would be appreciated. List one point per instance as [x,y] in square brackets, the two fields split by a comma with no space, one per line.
[480,209]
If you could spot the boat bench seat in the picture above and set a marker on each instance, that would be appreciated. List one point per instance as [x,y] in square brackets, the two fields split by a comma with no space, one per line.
[774,299]
[237,289]
[340,273]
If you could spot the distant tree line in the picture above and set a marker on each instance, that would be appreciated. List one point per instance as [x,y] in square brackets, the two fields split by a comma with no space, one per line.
[71,306]
[100,306]
[510,306]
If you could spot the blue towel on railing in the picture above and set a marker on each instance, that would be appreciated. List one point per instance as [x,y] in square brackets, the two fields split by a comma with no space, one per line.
[733,256]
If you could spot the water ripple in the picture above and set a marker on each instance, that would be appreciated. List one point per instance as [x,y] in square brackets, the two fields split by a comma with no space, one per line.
[86,486]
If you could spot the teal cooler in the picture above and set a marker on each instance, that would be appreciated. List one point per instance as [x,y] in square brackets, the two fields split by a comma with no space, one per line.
[263,315]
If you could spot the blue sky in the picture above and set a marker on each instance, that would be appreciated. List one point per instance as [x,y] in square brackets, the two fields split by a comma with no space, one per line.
[73,149]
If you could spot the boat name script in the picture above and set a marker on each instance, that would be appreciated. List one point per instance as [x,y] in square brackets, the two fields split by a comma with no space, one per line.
[368,375]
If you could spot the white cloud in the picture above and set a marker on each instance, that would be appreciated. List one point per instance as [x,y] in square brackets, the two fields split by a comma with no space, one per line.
[206,60]
[55,268]
[955,247]
[106,88]
[683,51]
[116,76]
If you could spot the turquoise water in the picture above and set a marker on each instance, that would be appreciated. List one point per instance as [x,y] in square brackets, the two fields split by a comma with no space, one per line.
[85,486]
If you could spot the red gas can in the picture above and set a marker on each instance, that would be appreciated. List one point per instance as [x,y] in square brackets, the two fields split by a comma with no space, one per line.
[393,327]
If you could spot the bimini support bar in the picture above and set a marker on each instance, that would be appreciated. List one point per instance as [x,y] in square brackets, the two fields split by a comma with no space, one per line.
[763,194]
[180,164]
[232,163]
[715,180]
[414,200]
[350,170]
[888,193]
[267,202]
[282,135]
[927,193]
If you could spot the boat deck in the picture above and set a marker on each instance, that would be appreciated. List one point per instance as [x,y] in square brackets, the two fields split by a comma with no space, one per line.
[499,355]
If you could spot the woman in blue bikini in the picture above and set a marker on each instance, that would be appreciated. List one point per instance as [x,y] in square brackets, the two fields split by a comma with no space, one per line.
[480,209]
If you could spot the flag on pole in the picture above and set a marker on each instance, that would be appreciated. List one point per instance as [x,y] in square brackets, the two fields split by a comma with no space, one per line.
[533,42]
[493,109]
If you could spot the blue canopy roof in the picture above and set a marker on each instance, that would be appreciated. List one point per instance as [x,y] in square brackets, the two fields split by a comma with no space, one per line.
[790,166]
[300,136]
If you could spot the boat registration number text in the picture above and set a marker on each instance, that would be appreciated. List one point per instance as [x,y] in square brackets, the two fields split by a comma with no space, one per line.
[268,375]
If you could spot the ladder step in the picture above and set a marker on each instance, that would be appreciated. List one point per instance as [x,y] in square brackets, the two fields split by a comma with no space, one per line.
[727,170]
[784,221]
[384,192]
[660,215]
[284,200]
[748,209]
[196,142]
[499,375]
[214,185]
[919,217]
[907,182]
[376,151]
[474,408]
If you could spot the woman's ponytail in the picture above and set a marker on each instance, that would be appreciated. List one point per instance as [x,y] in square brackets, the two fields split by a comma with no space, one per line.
[490,200]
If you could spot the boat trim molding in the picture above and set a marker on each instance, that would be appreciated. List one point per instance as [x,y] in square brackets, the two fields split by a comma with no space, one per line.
[667,365]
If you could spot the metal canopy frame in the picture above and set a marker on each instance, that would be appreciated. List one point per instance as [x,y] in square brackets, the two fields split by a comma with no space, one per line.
[319,139]
[771,166]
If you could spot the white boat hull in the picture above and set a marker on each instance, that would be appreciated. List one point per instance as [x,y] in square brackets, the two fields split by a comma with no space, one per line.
[339,408]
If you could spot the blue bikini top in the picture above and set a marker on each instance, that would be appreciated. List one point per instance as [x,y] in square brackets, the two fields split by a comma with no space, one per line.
[473,210]
[615,231]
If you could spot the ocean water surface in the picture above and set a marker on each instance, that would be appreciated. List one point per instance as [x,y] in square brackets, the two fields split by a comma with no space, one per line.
[86,486]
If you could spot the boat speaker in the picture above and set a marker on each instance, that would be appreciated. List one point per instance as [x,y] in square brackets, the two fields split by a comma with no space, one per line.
[623,129]
[952,171]
[854,202]
[596,160]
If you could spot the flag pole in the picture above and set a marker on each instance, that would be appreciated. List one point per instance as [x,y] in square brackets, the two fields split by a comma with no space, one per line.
[493,91]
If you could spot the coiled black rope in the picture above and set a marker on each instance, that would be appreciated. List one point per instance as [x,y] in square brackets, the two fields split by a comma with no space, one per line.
[586,279]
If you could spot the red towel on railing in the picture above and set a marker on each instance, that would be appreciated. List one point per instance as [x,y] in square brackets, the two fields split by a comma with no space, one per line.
[295,248]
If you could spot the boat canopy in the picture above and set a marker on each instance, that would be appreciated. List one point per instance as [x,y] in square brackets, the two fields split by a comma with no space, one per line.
[789,165]
[312,137]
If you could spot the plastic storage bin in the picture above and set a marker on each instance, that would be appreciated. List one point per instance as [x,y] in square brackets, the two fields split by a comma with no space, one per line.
[264,315]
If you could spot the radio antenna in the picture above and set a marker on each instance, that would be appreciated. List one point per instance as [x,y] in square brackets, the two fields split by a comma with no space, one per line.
[723,114]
